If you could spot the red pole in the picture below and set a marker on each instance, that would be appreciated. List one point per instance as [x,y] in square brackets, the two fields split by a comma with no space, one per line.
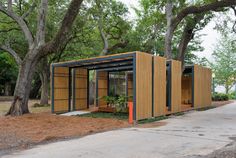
[130,104]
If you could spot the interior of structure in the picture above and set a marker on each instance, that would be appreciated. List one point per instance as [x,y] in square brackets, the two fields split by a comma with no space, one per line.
[113,83]
[187,87]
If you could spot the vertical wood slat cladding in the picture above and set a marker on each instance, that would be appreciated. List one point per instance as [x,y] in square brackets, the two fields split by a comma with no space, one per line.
[159,86]
[176,75]
[202,86]
[80,99]
[102,87]
[143,86]
[197,88]
[186,90]
[61,89]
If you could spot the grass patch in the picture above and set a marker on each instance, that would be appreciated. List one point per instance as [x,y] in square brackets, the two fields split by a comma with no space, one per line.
[119,116]
[152,119]
[206,108]
[178,114]
[40,109]
[37,105]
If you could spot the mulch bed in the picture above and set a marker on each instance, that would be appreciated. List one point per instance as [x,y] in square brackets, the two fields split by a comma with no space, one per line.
[24,131]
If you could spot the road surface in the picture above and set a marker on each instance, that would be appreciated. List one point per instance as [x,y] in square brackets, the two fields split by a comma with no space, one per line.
[191,135]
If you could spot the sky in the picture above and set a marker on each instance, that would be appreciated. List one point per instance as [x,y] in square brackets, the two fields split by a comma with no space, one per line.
[208,40]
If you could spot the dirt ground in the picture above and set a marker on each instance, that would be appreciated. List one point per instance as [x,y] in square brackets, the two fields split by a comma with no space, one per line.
[228,151]
[30,129]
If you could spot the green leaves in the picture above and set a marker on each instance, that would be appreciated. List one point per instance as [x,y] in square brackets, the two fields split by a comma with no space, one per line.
[8,69]
[225,61]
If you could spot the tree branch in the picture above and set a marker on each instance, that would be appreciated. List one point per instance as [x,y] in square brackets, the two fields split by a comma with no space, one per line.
[234,25]
[118,45]
[9,5]
[31,9]
[201,9]
[40,35]
[9,30]
[62,35]
[174,22]
[9,12]
[100,28]
[187,36]
[8,49]
[170,29]
[104,38]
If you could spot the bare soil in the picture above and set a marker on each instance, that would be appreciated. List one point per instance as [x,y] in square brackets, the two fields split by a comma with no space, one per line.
[24,131]
[228,151]
[152,124]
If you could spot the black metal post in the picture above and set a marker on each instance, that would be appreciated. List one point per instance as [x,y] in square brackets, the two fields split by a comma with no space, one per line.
[134,87]
[69,90]
[73,87]
[96,87]
[88,89]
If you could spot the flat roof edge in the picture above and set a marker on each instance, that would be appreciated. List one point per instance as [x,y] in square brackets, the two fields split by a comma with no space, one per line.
[94,59]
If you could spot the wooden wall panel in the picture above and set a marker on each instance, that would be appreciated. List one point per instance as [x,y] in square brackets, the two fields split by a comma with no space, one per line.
[197,90]
[143,86]
[202,86]
[80,88]
[186,90]
[102,88]
[61,90]
[208,99]
[159,86]
[176,74]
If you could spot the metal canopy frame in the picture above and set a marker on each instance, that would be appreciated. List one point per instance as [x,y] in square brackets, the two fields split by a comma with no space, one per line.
[112,63]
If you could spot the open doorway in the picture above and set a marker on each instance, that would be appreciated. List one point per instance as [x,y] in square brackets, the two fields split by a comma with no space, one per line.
[187,87]
[113,88]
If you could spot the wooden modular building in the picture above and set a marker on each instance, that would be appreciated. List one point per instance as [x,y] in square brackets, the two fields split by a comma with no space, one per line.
[196,86]
[156,85]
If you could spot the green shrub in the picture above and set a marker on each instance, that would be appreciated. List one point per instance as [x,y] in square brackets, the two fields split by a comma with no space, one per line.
[232,95]
[119,102]
[220,97]
[111,100]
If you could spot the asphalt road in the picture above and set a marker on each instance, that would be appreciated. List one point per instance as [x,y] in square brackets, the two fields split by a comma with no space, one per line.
[194,134]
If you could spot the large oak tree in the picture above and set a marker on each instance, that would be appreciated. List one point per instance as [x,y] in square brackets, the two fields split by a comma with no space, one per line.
[38,47]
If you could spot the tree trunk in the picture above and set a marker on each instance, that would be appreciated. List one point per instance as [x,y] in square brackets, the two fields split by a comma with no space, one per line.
[227,88]
[183,45]
[23,85]
[7,89]
[169,31]
[187,36]
[44,77]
